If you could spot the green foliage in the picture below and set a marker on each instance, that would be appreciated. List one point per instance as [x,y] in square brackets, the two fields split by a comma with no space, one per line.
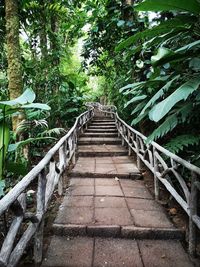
[167,5]
[182,93]
[179,143]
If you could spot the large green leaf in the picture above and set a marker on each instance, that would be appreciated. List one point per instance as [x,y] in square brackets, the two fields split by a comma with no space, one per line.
[135,99]
[37,106]
[175,57]
[177,24]
[189,46]
[138,107]
[162,53]
[14,147]
[159,94]
[132,86]
[139,118]
[179,116]
[169,124]
[182,93]
[192,6]
[27,97]
[165,55]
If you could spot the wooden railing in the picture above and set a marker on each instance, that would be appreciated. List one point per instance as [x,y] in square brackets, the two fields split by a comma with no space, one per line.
[179,177]
[26,225]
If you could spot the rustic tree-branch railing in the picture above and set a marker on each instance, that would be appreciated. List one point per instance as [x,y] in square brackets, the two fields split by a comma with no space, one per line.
[165,166]
[47,174]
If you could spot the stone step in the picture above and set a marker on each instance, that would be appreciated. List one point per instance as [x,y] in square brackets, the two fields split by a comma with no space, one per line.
[102,150]
[101,130]
[113,252]
[102,127]
[101,153]
[102,123]
[99,141]
[116,231]
[122,175]
[106,167]
[100,120]
[86,134]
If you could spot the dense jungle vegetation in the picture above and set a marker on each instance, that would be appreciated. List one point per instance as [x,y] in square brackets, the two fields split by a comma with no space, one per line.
[142,56]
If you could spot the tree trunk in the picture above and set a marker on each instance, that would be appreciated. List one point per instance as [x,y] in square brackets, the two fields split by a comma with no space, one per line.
[15,82]
[55,49]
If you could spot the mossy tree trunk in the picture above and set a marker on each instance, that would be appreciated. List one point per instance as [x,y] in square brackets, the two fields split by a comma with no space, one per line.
[15,82]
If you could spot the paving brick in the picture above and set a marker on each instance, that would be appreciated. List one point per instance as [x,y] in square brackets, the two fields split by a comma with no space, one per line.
[65,252]
[131,183]
[107,190]
[104,181]
[81,181]
[78,201]
[105,168]
[104,160]
[123,159]
[110,202]
[116,253]
[109,216]
[137,192]
[126,167]
[163,253]
[143,204]
[151,218]
[73,215]
[84,167]
[82,190]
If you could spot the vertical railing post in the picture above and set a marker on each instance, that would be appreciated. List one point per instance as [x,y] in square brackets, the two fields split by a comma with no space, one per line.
[156,181]
[123,130]
[38,239]
[139,163]
[193,211]
[129,143]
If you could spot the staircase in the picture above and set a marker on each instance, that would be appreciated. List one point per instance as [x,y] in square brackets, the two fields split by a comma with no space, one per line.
[108,217]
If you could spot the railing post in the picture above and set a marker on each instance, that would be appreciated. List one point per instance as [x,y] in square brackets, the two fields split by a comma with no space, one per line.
[139,163]
[38,240]
[129,148]
[192,212]
[156,181]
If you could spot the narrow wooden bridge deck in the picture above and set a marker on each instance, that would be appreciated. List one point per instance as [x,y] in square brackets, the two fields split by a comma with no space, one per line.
[108,217]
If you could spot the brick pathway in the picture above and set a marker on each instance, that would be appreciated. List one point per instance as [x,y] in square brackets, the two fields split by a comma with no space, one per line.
[108,217]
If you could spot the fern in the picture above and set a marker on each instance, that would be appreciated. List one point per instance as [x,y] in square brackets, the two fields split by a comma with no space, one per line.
[180,142]
[138,107]
[26,125]
[53,132]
